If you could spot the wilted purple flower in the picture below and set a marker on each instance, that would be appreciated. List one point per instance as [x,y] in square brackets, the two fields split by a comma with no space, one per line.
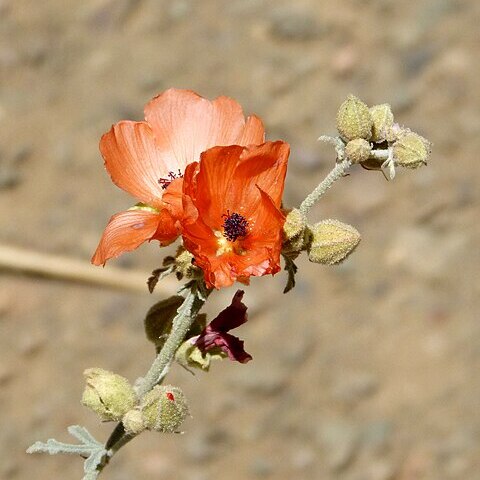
[215,334]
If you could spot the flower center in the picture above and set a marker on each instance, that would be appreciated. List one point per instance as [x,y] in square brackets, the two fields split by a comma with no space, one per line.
[234,226]
[166,181]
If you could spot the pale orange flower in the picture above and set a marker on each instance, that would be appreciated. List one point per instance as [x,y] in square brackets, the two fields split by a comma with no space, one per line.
[233,223]
[148,159]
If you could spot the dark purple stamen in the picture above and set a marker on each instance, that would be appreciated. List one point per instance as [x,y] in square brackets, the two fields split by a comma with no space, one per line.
[234,226]
[165,182]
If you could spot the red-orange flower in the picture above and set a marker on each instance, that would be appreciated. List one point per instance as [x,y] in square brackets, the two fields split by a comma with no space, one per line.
[233,223]
[148,159]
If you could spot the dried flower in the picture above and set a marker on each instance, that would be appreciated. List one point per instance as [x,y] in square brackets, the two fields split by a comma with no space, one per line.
[233,223]
[215,336]
[148,159]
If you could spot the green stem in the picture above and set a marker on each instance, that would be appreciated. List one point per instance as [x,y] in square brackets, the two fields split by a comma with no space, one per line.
[337,172]
[186,315]
[181,325]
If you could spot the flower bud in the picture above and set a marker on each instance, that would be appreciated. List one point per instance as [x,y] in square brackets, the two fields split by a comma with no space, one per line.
[164,408]
[411,150]
[358,150]
[354,119]
[294,224]
[332,241]
[294,231]
[109,395]
[133,422]
[382,117]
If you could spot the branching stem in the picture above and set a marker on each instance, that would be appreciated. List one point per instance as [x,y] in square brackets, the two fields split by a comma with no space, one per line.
[337,172]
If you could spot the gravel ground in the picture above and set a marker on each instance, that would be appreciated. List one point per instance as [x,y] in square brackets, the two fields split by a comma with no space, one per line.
[367,371]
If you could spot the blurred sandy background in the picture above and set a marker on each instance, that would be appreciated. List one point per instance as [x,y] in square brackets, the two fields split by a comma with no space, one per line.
[369,371]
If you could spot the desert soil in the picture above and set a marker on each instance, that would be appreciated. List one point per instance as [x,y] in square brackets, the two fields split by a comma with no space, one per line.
[367,371]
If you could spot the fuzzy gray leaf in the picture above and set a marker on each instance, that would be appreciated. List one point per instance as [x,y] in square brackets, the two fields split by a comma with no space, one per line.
[82,434]
[54,447]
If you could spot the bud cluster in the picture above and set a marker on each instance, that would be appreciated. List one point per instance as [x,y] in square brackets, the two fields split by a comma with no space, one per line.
[112,398]
[370,137]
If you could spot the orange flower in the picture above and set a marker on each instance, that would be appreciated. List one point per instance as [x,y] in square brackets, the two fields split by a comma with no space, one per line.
[148,159]
[233,223]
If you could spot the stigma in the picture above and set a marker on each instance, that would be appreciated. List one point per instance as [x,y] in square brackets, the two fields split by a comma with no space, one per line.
[234,226]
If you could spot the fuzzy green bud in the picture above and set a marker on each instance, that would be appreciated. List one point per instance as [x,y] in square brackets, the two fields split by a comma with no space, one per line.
[164,408]
[411,151]
[354,119]
[109,395]
[332,241]
[358,150]
[133,422]
[294,231]
[382,117]
[294,225]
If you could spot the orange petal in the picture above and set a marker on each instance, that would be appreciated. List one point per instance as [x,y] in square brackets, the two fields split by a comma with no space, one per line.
[172,198]
[215,184]
[169,226]
[264,166]
[185,125]
[264,243]
[125,231]
[228,178]
[253,133]
[134,162]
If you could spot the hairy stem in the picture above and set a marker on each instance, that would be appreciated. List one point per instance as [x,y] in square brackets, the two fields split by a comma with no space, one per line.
[337,172]
[186,315]
[181,325]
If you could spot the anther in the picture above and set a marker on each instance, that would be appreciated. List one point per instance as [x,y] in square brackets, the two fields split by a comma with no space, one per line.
[234,226]
[166,181]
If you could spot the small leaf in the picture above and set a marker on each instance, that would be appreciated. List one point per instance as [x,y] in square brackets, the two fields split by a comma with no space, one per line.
[291,269]
[82,434]
[89,448]
[53,447]
[158,275]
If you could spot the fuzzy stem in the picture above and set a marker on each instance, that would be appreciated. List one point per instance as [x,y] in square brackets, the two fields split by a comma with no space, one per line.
[181,325]
[337,172]
[381,154]
[186,315]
